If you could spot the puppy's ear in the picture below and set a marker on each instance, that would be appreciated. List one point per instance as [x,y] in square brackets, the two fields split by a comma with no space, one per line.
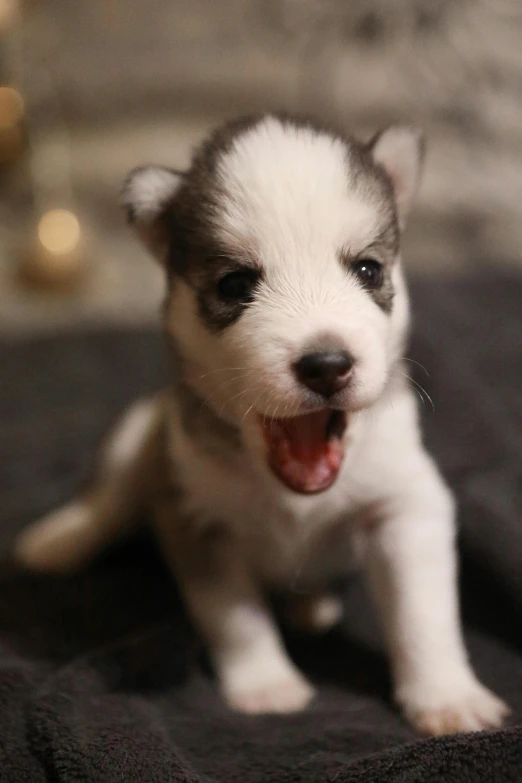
[148,196]
[400,151]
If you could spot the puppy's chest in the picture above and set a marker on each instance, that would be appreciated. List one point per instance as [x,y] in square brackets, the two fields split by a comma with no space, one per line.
[289,544]
[290,541]
[284,552]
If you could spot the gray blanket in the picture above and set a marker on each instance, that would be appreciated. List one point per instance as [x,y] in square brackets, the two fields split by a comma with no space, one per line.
[102,677]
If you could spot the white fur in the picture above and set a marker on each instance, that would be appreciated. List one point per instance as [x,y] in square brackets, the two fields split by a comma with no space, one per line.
[288,193]
[291,201]
[148,189]
[61,540]
[289,198]
[130,433]
[390,497]
[397,150]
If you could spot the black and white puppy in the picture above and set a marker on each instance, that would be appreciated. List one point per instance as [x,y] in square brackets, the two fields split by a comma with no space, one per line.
[289,444]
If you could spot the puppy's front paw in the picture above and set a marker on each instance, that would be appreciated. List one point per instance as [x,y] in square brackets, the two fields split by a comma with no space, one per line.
[471,707]
[264,689]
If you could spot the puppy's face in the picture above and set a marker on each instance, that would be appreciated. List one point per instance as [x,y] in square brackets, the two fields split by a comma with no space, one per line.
[286,300]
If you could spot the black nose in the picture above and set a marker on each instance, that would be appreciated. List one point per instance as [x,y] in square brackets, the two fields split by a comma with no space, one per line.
[325,372]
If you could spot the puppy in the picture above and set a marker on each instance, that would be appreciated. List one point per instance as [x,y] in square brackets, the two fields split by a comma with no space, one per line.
[288,446]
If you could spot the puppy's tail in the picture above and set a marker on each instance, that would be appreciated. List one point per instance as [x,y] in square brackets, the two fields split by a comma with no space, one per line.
[69,537]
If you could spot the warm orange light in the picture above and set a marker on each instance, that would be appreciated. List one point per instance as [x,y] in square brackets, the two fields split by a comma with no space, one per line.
[59,232]
[11,107]
[8,13]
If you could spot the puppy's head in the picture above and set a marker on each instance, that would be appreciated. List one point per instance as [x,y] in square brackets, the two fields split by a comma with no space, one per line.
[286,299]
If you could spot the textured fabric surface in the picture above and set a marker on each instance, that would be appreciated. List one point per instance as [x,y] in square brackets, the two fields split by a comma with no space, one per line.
[102,677]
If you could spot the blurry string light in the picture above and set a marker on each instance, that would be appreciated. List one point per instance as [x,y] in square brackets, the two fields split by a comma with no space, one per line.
[59,231]
[11,107]
[55,260]
[8,14]
[54,256]
[11,130]
[11,101]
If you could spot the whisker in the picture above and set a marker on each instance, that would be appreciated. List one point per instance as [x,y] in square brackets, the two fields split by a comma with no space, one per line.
[413,361]
[274,415]
[216,391]
[231,399]
[247,412]
[221,369]
[253,405]
[421,391]
[252,386]
[211,398]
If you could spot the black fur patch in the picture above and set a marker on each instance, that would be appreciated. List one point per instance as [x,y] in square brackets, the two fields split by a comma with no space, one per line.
[383,296]
[216,312]
[383,250]
[195,254]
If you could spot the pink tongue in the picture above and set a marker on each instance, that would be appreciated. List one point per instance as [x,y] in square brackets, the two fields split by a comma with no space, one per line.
[300,452]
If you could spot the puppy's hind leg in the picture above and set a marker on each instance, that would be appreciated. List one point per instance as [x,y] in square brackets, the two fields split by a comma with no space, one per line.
[70,536]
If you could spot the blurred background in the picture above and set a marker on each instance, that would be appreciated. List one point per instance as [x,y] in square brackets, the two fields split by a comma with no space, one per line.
[90,89]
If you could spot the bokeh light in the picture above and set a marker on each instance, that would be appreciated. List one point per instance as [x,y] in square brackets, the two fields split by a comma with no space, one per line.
[11,107]
[8,13]
[59,232]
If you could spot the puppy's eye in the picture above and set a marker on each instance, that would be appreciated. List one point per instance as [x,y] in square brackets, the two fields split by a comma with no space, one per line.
[237,286]
[369,272]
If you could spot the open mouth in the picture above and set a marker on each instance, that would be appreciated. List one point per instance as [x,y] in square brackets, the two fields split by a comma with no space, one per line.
[306,452]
